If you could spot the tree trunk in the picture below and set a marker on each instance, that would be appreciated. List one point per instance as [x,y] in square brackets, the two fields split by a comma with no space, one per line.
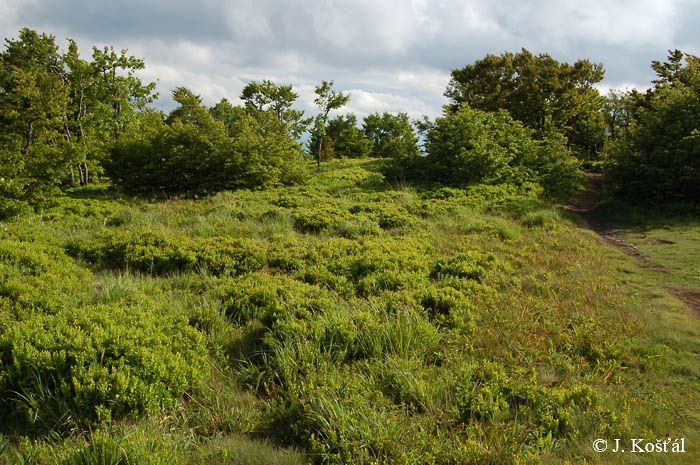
[29,138]
[81,174]
[72,176]
[320,141]
[85,172]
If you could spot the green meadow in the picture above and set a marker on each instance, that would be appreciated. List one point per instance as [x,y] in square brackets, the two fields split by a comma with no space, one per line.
[351,319]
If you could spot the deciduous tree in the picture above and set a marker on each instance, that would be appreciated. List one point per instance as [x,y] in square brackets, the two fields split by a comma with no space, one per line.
[327,100]
[545,95]
[267,97]
[657,157]
[391,135]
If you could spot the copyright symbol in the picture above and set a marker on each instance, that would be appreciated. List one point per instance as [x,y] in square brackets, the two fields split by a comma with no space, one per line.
[600,445]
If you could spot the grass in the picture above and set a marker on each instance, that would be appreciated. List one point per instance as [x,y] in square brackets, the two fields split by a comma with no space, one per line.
[352,320]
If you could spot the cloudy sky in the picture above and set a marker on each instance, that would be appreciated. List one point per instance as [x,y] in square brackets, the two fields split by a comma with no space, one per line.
[391,55]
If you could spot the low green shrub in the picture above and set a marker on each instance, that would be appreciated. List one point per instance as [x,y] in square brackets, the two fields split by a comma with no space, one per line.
[472,264]
[387,215]
[159,253]
[91,364]
[487,392]
[34,276]
[268,298]
[320,217]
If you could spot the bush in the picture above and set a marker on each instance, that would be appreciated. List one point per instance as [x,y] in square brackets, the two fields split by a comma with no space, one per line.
[472,146]
[201,155]
[319,217]
[268,298]
[36,277]
[391,136]
[159,253]
[90,364]
[486,392]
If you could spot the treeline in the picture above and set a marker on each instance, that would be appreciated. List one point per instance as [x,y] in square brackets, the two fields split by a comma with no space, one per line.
[514,118]
[655,154]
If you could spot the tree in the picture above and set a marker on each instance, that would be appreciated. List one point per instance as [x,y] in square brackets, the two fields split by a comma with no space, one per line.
[80,125]
[475,146]
[267,97]
[391,135]
[344,137]
[191,110]
[543,94]
[618,110]
[227,113]
[657,157]
[327,100]
[190,150]
[118,91]
[33,98]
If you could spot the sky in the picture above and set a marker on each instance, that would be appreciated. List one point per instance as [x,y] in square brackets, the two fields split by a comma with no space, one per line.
[390,55]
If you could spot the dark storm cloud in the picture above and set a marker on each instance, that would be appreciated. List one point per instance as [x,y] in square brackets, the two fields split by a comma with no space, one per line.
[129,19]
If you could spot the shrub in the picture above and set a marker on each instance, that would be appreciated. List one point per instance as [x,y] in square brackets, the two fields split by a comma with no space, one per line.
[159,253]
[471,265]
[89,364]
[37,277]
[474,146]
[199,154]
[319,217]
[487,392]
[343,139]
[387,215]
[391,136]
[268,298]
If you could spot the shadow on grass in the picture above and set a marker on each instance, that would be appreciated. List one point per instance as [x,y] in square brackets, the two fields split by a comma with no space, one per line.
[638,218]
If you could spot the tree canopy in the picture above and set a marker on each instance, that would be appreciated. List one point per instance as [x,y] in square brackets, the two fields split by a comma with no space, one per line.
[343,139]
[327,100]
[266,97]
[656,157]
[537,90]
[391,135]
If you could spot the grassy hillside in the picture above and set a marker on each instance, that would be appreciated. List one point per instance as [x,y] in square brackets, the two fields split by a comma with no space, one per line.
[350,320]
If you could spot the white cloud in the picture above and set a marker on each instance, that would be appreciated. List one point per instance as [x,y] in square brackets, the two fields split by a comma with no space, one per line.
[362,103]
[392,52]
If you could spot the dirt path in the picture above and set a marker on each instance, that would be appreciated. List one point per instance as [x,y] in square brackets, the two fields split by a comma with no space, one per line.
[584,203]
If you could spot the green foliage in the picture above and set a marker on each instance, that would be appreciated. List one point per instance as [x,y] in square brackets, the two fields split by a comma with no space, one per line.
[276,101]
[269,298]
[195,152]
[487,392]
[391,136]
[354,318]
[36,277]
[65,363]
[537,90]
[327,100]
[319,217]
[157,253]
[655,159]
[33,96]
[95,363]
[472,146]
[56,110]
[343,139]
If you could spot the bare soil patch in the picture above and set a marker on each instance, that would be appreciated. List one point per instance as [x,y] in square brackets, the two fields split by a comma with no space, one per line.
[691,299]
[584,203]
